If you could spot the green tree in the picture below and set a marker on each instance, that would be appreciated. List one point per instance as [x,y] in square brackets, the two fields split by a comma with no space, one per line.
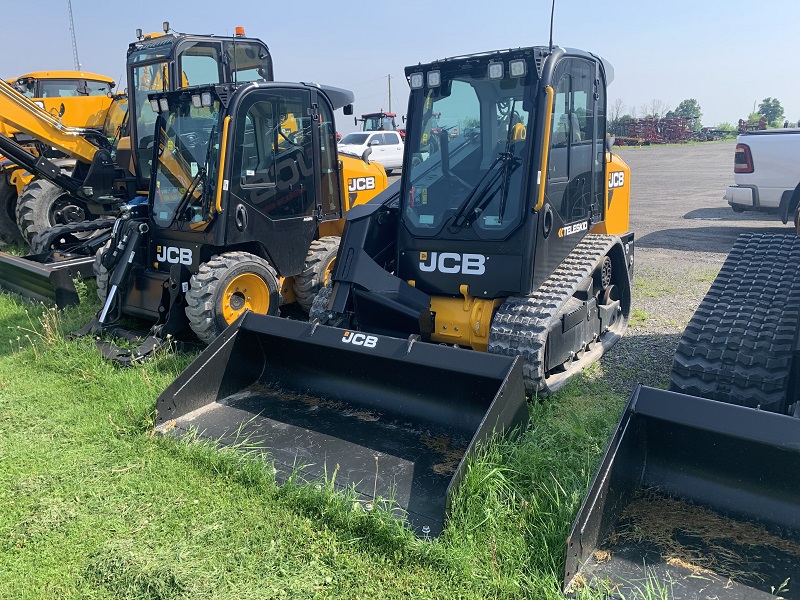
[771,108]
[690,109]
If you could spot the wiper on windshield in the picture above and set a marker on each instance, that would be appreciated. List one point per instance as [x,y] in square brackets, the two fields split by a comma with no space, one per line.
[196,180]
[476,202]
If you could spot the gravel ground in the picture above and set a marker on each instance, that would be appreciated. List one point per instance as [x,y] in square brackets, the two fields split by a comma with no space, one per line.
[684,230]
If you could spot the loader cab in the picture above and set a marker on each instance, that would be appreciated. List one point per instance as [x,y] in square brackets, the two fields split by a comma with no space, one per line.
[162,63]
[478,130]
[251,166]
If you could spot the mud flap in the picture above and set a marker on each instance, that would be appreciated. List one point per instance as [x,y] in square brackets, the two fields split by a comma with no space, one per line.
[695,497]
[392,419]
[49,282]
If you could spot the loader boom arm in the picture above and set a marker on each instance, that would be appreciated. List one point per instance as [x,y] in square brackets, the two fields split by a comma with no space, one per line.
[20,113]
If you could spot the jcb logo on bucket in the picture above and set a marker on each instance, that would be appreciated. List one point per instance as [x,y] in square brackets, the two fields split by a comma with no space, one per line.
[359,339]
[171,254]
[616,179]
[360,184]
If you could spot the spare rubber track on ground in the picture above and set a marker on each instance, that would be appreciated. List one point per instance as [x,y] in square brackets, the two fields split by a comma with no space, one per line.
[738,346]
[521,324]
[43,241]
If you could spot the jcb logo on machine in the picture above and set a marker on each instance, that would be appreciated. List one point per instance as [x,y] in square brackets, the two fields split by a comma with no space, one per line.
[450,262]
[359,339]
[574,228]
[172,254]
[359,184]
[616,179]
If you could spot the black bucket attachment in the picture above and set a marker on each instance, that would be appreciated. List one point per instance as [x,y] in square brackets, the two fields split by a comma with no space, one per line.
[393,419]
[45,277]
[694,497]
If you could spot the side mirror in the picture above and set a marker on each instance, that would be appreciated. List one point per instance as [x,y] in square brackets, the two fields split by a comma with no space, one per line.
[365,155]
[374,143]
[348,109]
[610,142]
[355,120]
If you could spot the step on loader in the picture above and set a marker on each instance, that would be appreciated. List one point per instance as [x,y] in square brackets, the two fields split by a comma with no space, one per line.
[698,493]
[244,213]
[108,168]
[510,243]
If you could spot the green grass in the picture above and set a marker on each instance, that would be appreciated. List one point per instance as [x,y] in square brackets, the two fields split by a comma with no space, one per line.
[95,506]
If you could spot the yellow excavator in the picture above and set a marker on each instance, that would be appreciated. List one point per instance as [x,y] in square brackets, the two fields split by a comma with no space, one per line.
[73,98]
[501,261]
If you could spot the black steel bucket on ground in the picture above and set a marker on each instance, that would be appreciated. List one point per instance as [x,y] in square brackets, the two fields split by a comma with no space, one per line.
[694,498]
[393,419]
[45,277]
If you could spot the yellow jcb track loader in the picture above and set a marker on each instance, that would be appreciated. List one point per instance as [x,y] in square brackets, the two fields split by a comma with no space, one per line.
[58,203]
[244,211]
[698,493]
[512,241]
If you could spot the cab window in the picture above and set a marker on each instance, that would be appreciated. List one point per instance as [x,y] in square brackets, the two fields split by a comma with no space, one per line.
[275,155]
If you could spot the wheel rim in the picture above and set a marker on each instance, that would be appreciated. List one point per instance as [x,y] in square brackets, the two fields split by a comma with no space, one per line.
[65,212]
[245,292]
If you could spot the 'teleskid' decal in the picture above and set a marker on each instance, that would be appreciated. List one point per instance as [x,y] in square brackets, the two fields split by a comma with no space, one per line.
[574,228]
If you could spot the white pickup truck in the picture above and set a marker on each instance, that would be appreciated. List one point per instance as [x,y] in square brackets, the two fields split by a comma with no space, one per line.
[766,170]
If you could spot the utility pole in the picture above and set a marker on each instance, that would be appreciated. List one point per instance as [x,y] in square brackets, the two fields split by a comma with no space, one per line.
[74,40]
[390,93]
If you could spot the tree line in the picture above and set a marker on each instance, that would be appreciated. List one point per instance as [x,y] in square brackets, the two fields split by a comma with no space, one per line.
[770,110]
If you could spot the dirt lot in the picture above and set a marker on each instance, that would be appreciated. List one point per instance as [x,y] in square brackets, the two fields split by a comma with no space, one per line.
[684,230]
[677,210]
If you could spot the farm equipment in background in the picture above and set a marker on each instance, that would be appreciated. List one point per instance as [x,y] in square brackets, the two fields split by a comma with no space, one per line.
[698,489]
[71,99]
[649,130]
[244,212]
[505,242]
[156,62]
[380,121]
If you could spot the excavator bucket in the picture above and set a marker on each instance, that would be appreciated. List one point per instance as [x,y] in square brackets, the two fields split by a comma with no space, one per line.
[394,420]
[46,277]
[694,498]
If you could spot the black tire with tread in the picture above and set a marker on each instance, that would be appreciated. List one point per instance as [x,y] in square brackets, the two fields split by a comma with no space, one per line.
[203,299]
[308,283]
[9,231]
[320,304]
[738,346]
[101,274]
[34,214]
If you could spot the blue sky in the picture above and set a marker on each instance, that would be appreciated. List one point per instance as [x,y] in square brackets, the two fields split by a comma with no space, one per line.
[727,55]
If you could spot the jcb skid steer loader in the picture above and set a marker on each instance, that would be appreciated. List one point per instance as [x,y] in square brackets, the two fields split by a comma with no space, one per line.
[700,494]
[55,205]
[244,212]
[482,244]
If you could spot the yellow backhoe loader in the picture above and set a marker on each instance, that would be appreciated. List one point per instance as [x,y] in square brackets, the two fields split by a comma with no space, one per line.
[75,99]
[501,261]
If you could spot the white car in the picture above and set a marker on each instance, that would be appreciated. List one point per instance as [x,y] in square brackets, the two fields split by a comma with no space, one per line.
[387,147]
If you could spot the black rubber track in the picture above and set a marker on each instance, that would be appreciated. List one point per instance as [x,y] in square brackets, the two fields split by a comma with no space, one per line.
[520,325]
[738,346]
[65,235]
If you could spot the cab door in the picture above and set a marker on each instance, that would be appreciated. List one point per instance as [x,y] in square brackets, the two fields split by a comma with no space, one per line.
[275,175]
